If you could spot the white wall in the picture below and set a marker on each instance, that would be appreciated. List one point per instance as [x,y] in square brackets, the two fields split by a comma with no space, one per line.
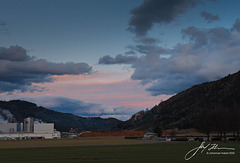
[8,127]
[44,128]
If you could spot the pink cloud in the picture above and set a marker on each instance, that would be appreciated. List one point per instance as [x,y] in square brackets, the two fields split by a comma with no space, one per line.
[109,89]
[103,88]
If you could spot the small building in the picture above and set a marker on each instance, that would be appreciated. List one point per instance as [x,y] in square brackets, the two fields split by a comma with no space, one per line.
[69,135]
[150,135]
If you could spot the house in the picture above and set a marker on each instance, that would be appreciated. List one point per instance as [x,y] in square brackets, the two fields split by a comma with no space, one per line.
[150,135]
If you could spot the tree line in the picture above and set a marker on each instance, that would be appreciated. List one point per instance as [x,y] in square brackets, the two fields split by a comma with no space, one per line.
[220,119]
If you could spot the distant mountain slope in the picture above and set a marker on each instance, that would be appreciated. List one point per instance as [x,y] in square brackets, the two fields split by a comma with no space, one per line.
[211,103]
[17,110]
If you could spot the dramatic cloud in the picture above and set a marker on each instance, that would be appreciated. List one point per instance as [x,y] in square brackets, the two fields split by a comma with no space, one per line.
[207,55]
[236,25]
[210,55]
[14,53]
[209,17]
[127,59]
[157,11]
[119,59]
[18,70]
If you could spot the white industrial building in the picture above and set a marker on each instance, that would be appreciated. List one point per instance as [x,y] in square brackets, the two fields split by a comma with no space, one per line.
[28,130]
[9,127]
[43,128]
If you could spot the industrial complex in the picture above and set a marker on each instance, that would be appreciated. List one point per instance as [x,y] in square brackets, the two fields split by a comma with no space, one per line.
[28,130]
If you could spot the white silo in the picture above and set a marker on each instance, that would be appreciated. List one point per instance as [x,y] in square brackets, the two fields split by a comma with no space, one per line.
[28,124]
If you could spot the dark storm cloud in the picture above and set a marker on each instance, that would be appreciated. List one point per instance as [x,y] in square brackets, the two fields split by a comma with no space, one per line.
[236,25]
[172,84]
[14,53]
[119,59]
[156,11]
[146,45]
[203,55]
[206,55]
[209,55]
[18,70]
[209,17]
[196,35]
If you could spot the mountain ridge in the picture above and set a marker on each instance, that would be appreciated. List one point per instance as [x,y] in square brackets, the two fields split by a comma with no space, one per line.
[187,108]
[62,121]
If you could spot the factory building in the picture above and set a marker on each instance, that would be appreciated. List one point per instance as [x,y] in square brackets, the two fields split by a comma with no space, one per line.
[10,127]
[28,129]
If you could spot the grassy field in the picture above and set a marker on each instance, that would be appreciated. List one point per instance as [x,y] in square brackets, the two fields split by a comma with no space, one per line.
[82,141]
[108,150]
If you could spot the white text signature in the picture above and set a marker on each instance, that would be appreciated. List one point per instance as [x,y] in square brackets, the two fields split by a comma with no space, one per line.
[202,148]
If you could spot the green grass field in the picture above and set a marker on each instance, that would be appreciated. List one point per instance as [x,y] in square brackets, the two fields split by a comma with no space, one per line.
[98,150]
[68,142]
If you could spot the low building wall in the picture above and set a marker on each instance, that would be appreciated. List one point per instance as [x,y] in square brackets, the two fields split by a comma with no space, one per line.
[22,135]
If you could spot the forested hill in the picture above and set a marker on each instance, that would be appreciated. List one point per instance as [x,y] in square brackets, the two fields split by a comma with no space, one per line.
[211,106]
[16,111]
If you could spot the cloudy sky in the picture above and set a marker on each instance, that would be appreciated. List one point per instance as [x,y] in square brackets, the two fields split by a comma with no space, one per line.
[113,58]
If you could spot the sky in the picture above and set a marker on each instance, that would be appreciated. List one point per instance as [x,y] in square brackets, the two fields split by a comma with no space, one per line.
[113,58]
